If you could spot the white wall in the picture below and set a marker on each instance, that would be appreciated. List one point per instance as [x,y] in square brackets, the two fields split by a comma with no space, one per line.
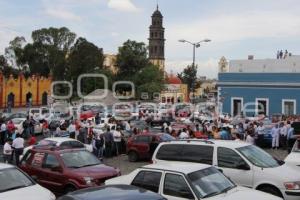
[288,65]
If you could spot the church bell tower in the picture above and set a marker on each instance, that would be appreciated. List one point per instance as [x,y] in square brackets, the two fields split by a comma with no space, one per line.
[157,40]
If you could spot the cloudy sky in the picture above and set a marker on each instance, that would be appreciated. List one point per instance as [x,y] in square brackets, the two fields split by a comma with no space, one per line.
[237,28]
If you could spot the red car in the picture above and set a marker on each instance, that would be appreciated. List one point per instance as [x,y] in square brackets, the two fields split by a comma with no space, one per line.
[63,171]
[143,146]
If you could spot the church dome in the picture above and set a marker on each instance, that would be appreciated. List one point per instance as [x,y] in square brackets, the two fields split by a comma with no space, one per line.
[157,13]
[173,80]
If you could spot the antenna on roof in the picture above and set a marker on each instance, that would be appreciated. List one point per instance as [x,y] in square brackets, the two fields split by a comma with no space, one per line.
[157,5]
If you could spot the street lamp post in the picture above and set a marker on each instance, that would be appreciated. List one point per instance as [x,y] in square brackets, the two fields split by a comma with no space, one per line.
[195,45]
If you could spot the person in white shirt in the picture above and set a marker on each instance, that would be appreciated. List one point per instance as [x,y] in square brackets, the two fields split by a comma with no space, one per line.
[184,134]
[275,136]
[117,141]
[250,139]
[3,134]
[72,130]
[260,130]
[18,145]
[7,151]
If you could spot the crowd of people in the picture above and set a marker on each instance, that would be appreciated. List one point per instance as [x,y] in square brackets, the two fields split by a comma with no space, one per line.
[110,139]
[13,141]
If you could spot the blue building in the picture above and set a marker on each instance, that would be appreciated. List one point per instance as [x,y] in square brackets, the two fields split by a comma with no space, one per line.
[260,87]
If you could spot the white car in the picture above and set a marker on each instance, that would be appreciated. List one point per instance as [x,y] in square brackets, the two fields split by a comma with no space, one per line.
[293,159]
[16,185]
[18,122]
[62,142]
[180,181]
[247,165]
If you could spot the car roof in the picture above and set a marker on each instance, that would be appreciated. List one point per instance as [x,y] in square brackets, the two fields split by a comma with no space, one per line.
[5,166]
[180,167]
[55,150]
[114,192]
[59,139]
[221,143]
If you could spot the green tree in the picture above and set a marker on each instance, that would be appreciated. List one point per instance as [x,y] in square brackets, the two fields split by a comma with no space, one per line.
[48,52]
[5,68]
[85,57]
[14,52]
[189,77]
[131,58]
[150,80]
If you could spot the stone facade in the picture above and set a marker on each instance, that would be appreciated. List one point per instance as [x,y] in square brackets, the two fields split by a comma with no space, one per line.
[22,91]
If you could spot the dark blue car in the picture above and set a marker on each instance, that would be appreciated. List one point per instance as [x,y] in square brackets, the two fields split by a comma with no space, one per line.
[112,192]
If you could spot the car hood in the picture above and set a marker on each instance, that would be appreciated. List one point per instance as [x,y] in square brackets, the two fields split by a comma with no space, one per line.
[293,159]
[245,194]
[284,173]
[97,171]
[35,192]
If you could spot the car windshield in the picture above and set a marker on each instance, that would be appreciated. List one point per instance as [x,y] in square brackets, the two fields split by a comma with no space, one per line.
[209,182]
[17,121]
[46,143]
[258,157]
[14,179]
[166,137]
[296,146]
[78,159]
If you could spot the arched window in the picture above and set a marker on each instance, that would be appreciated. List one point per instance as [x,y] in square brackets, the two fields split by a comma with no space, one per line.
[28,97]
[11,100]
[45,98]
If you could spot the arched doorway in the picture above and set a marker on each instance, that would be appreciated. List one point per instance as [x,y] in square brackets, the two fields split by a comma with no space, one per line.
[28,97]
[11,100]
[45,98]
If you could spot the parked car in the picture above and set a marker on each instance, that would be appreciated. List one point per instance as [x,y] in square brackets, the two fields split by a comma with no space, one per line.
[63,171]
[16,185]
[247,165]
[112,192]
[16,115]
[180,181]
[62,143]
[143,146]
[293,159]
[18,122]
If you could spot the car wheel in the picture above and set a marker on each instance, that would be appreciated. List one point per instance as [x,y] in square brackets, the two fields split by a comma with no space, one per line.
[132,156]
[70,189]
[271,190]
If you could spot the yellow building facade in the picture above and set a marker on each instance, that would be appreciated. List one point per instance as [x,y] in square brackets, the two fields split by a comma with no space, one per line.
[21,92]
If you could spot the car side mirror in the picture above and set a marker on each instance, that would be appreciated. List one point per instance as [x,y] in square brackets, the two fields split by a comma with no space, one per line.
[243,166]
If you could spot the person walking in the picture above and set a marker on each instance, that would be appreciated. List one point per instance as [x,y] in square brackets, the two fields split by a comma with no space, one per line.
[7,151]
[291,139]
[117,141]
[72,130]
[275,136]
[3,133]
[283,135]
[98,145]
[260,131]
[109,139]
[18,145]
[26,127]
[10,128]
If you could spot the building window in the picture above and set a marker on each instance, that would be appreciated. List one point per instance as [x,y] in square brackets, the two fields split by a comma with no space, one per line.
[155,34]
[289,107]
[262,106]
[236,106]
[155,49]
[151,35]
